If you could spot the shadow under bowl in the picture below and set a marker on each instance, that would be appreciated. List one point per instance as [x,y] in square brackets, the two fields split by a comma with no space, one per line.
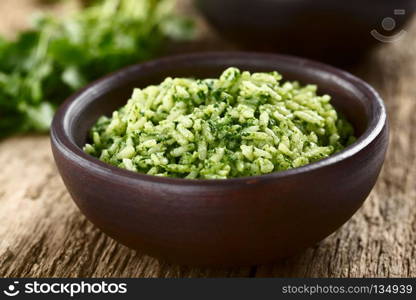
[242,221]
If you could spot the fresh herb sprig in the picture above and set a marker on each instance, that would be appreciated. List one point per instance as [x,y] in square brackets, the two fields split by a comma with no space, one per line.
[44,65]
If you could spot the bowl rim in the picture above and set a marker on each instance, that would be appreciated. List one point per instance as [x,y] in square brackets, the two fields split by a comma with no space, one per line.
[61,140]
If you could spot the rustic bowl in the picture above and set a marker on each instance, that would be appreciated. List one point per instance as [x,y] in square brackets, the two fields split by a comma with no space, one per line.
[241,221]
[336,31]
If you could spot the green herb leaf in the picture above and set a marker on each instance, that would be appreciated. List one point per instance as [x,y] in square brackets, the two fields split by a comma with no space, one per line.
[43,66]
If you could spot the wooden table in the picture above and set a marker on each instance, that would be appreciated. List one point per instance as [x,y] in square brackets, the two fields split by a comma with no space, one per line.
[42,233]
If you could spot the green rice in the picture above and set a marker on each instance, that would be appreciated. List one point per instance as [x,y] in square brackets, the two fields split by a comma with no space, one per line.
[241,124]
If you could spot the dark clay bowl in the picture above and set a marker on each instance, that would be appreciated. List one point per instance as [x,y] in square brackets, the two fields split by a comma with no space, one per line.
[329,30]
[241,221]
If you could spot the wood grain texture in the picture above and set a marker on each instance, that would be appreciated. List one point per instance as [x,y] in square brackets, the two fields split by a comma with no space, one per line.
[42,233]
[15,13]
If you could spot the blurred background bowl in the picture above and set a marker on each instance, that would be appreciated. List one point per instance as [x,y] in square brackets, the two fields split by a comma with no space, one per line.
[334,31]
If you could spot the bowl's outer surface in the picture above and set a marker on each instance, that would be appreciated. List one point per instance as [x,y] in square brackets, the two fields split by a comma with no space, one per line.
[241,221]
[330,30]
